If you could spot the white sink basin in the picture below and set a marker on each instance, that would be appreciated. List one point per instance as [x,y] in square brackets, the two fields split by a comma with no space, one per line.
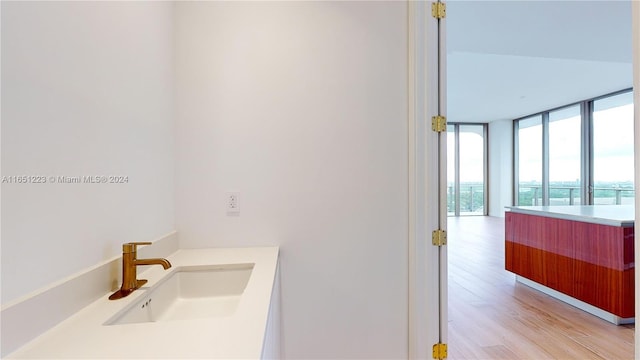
[189,293]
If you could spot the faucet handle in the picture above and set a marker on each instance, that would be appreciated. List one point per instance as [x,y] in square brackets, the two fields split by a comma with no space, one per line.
[132,246]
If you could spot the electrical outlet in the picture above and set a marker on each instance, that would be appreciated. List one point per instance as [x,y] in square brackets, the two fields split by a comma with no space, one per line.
[233,203]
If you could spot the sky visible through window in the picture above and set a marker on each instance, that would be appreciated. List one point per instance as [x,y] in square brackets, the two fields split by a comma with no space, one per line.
[530,153]
[613,144]
[613,148]
[471,157]
[564,146]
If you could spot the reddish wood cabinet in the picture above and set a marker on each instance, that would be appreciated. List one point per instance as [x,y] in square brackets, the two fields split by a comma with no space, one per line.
[591,262]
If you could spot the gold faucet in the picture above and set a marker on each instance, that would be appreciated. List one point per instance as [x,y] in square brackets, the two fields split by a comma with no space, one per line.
[130,264]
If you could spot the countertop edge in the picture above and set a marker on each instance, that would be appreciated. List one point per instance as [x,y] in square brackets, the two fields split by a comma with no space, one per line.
[569,213]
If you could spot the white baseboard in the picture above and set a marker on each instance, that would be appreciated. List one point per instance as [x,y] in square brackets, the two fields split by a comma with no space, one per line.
[23,320]
[605,315]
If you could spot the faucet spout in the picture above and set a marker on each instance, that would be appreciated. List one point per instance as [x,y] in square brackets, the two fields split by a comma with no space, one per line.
[164,262]
[130,263]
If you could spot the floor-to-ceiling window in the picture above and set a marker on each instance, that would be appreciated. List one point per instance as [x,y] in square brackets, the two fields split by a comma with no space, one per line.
[529,160]
[467,172]
[564,156]
[578,154]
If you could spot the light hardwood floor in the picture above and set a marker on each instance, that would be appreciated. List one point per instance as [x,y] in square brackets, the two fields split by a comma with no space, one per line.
[493,317]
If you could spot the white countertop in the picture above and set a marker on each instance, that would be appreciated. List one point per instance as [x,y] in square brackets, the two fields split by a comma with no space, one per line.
[614,215]
[241,335]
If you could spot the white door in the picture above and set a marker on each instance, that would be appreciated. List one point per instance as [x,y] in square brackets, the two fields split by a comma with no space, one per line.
[427,194]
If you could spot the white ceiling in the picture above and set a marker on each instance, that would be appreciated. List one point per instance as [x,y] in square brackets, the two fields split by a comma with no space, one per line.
[508,59]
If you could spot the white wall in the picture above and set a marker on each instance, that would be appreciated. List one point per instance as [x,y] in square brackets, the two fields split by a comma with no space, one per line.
[86,90]
[302,108]
[500,166]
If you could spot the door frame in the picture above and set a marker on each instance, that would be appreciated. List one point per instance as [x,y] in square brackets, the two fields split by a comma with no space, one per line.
[635,11]
[427,271]
[427,193]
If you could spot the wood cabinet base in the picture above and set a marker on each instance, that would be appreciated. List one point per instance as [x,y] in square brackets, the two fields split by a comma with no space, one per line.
[590,263]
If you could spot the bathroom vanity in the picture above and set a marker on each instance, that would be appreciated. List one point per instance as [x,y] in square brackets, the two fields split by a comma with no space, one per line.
[212,303]
[582,255]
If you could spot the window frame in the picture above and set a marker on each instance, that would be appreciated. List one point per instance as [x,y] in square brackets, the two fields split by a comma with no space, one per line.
[586,149]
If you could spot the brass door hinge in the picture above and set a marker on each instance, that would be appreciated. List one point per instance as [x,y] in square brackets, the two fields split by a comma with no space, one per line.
[439,123]
[438,10]
[439,237]
[440,351]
